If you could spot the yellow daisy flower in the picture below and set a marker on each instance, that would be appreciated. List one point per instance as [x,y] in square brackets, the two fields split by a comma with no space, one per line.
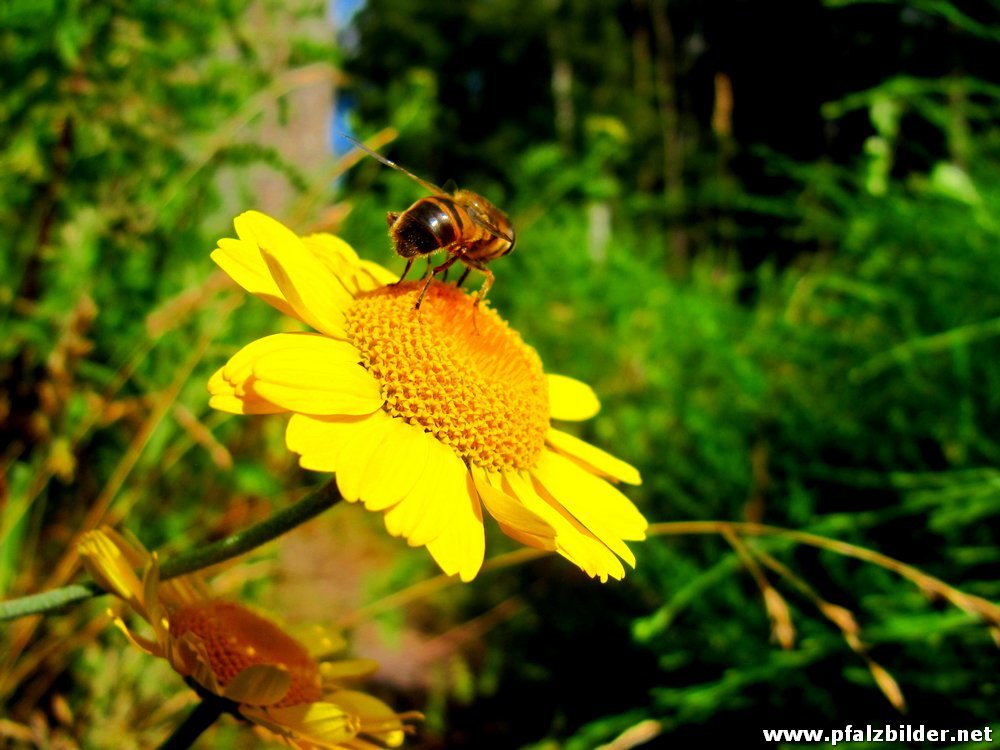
[426,415]
[272,679]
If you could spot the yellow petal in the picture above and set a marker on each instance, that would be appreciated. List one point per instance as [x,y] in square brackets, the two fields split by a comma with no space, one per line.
[418,508]
[589,498]
[438,496]
[306,345]
[355,275]
[189,658]
[351,669]
[393,466]
[320,440]
[377,719]
[233,387]
[379,275]
[593,458]
[320,377]
[311,290]
[319,641]
[328,247]
[462,544]
[357,454]
[251,403]
[337,257]
[602,509]
[325,724]
[360,743]
[442,511]
[143,644]
[109,566]
[258,685]
[570,399]
[514,518]
[133,549]
[242,262]
[573,540]
[151,597]
[184,591]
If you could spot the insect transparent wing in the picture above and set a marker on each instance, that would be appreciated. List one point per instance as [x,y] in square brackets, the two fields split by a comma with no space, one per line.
[480,217]
[389,163]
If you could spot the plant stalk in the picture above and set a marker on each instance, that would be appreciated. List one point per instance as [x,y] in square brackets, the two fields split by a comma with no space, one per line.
[201,717]
[187,562]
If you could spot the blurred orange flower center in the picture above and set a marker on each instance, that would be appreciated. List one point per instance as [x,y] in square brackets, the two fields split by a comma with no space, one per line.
[459,372]
[235,638]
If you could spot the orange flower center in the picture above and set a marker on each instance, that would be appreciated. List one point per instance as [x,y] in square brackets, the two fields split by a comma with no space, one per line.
[459,372]
[235,638]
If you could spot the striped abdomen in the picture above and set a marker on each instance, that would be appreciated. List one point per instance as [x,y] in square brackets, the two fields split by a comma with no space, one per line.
[461,224]
[428,225]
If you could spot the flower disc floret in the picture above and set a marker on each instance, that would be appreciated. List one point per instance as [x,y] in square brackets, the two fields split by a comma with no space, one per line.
[456,370]
[235,638]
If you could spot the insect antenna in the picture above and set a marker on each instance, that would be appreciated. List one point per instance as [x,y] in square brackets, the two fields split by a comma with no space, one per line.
[389,163]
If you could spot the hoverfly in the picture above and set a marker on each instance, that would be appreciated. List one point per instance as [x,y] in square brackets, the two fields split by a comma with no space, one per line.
[462,223]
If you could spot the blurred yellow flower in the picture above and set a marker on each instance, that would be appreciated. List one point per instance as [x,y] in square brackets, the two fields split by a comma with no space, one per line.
[273,679]
[427,415]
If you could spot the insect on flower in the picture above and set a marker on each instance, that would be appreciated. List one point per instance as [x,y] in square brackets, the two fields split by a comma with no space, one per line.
[429,419]
[462,223]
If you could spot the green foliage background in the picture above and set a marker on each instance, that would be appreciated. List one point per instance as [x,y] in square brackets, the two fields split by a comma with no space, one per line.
[791,316]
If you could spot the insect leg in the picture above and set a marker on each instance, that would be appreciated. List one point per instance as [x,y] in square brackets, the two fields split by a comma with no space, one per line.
[479,266]
[486,285]
[409,264]
[443,267]
[447,264]
[462,278]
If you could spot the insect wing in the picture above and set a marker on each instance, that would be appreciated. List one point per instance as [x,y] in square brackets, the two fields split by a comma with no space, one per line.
[483,219]
[389,163]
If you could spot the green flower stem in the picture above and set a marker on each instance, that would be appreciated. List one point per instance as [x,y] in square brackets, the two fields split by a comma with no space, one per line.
[187,562]
[201,718]
[46,601]
[243,541]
